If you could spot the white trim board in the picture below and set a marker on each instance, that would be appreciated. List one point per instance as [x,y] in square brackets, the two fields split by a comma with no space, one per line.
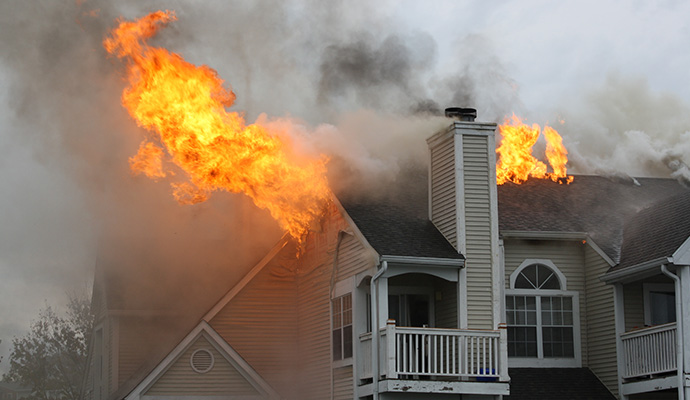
[682,254]
[230,355]
[355,231]
[246,279]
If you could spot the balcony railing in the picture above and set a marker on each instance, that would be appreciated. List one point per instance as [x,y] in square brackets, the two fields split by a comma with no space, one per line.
[433,352]
[649,351]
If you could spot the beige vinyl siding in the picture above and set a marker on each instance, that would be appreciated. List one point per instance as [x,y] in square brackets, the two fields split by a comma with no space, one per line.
[601,329]
[442,188]
[314,304]
[633,306]
[222,379]
[132,348]
[342,383]
[281,321]
[259,322]
[568,256]
[138,338]
[352,258]
[478,231]
[445,305]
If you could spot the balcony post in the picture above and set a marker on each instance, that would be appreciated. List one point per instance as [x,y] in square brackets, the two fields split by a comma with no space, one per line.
[503,349]
[392,372]
[619,323]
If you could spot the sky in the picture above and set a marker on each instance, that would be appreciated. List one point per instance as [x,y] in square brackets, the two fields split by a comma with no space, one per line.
[360,82]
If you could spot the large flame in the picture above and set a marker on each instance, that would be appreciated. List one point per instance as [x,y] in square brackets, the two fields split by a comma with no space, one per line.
[185,105]
[516,162]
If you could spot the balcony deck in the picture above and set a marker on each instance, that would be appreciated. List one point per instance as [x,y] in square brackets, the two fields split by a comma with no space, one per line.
[650,351]
[462,361]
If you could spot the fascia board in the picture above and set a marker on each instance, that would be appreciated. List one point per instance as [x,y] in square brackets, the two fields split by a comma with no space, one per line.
[246,279]
[355,229]
[440,135]
[556,235]
[436,262]
[221,345]
[635,271]
[682,254]
[544,235]
[163,366]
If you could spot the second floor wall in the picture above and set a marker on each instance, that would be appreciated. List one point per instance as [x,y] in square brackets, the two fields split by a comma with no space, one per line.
[578,266]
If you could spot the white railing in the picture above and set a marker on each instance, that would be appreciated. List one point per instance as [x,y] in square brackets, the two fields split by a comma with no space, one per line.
[450,353]
[649,351]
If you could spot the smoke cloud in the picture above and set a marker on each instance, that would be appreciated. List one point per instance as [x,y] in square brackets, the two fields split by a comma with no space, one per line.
[346,79]
[624,127]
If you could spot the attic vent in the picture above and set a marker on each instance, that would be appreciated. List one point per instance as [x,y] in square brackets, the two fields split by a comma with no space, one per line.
[201,361]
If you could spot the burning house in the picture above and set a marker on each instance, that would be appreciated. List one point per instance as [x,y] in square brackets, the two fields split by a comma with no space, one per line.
[447,286]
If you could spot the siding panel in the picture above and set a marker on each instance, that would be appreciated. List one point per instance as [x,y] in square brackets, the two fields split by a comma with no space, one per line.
[222,379]
[443,189]
[259,322]
[601,329]
[478,231]
[342,383]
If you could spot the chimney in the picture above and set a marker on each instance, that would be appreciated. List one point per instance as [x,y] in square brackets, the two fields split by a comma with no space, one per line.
[463,206]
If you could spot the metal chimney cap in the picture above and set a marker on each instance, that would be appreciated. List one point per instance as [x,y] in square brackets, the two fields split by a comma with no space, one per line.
[461,113]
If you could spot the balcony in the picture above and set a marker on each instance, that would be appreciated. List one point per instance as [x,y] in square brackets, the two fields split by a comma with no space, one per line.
[649,352]
[456,361]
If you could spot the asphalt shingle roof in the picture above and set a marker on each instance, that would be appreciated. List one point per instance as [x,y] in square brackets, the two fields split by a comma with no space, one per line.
[595,205]
[599,206]
[556,383]
[656,231]
[397,224]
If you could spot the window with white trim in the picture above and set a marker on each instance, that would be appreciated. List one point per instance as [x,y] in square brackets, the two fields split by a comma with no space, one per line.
[542,317]
[659,303]
[342,327]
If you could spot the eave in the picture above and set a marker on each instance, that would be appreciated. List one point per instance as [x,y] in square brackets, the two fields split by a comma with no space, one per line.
[558,235]
[636,272]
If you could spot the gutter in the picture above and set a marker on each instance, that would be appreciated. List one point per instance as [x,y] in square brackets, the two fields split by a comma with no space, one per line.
[679,333]
[648,267]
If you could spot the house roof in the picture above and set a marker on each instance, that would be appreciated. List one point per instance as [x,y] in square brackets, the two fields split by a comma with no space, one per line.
[395,223]
[560,383]
[656,232]
[596,205]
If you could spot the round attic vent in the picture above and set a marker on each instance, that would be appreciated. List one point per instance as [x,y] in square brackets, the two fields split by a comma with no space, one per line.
[201,361]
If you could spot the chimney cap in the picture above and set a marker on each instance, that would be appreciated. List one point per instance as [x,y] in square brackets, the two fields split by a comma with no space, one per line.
[462,113]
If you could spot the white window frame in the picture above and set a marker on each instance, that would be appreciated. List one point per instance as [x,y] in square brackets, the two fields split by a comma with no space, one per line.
[540,361]
[646,298]
[341,289]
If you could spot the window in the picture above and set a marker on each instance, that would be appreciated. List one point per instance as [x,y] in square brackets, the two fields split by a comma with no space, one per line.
[410,309]
[659,303]
[342,327]
[542,317]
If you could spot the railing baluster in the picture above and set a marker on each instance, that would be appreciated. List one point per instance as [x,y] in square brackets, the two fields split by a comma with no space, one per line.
[649,351]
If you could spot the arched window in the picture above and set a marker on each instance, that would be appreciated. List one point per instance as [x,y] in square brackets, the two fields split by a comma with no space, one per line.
[542,317]
[537,276]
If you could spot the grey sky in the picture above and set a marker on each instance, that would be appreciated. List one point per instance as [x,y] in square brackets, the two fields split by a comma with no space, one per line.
[617,72]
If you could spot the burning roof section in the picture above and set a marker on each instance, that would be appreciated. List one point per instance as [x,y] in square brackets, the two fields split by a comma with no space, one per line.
[596,205]
[397,224]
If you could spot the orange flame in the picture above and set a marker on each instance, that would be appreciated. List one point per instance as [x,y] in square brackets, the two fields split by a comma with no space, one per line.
[185,104]
[516,162]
